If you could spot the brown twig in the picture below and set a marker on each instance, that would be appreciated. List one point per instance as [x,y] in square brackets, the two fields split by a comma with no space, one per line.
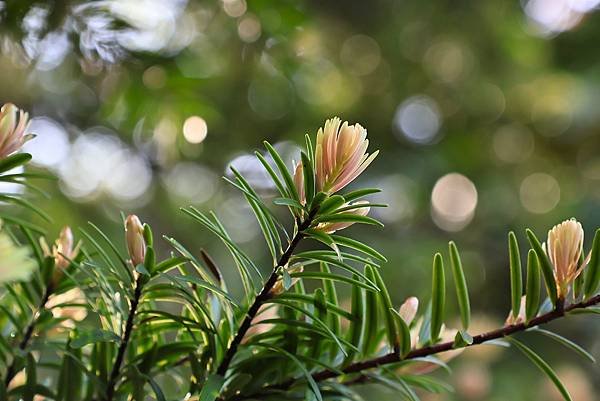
[263,296]
[394,357]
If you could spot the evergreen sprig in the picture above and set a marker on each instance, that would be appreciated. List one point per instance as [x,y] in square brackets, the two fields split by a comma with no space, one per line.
[112,325]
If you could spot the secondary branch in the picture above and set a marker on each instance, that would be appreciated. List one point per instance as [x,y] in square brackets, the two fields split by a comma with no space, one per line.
[394,357]
[114,375]
[11,372]
[262,297]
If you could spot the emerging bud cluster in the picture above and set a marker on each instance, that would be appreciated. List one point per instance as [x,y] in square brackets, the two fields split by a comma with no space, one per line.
[340,154]
[340,157]
[63,251]
[565,249]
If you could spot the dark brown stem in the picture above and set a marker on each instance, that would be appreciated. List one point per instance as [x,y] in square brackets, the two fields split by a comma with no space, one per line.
[11,372]
[114,374]
[263,296]
[394,357]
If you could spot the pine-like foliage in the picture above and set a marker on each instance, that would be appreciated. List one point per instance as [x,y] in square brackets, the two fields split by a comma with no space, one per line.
[94,322]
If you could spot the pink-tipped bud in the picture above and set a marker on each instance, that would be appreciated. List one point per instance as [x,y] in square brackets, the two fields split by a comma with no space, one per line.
[340,154]
[13,126]
[136,244]
[564,248]
[408,310]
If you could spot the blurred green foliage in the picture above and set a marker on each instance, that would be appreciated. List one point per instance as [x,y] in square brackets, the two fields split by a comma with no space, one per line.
[501,95]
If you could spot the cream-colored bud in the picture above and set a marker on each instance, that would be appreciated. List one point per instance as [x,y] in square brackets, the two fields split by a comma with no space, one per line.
[408,310]
[564,249]
[64,251]
[136,244]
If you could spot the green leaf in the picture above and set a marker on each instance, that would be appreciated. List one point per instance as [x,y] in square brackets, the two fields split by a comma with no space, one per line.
[94,336]
[586,311]
[331,204]
[287,279]
[359,246]
[546,266]
[325,239]
[403,335]
[386,304]
[288,202]
[592,277]
[276,180]
[309,178]
[70,377]
[371,317]
[320,310]
[311,382]
[438,297]
[261,212]
[462,339]
[360,193]
[287,178]
[331,295]
[332,261]
[347,218]
[16,160]
[428,383]
[31,370]
[169,264]
[516,280]
[566,342]
[532,299]
[142,270]
[283,300]
[579,282]
[357,311]
[156,388]
[329,277]
[27,205]
[211,388]
[460,282]
[543,366]
[309,149]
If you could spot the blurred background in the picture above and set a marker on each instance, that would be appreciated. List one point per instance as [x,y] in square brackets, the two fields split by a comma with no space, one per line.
[486,114]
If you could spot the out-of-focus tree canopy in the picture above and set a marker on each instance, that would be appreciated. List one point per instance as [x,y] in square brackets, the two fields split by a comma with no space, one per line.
[486,114]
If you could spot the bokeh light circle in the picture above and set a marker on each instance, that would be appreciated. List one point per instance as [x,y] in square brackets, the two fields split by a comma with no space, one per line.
[418,119]
[539,193]
[453,202]
[195,129]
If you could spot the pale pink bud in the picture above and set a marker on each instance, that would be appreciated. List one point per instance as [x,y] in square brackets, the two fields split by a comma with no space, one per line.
[564,249]
[340,154]
[136,244]
[13,125]
[330,228]
[408,310]
[62,251]
[63,248]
